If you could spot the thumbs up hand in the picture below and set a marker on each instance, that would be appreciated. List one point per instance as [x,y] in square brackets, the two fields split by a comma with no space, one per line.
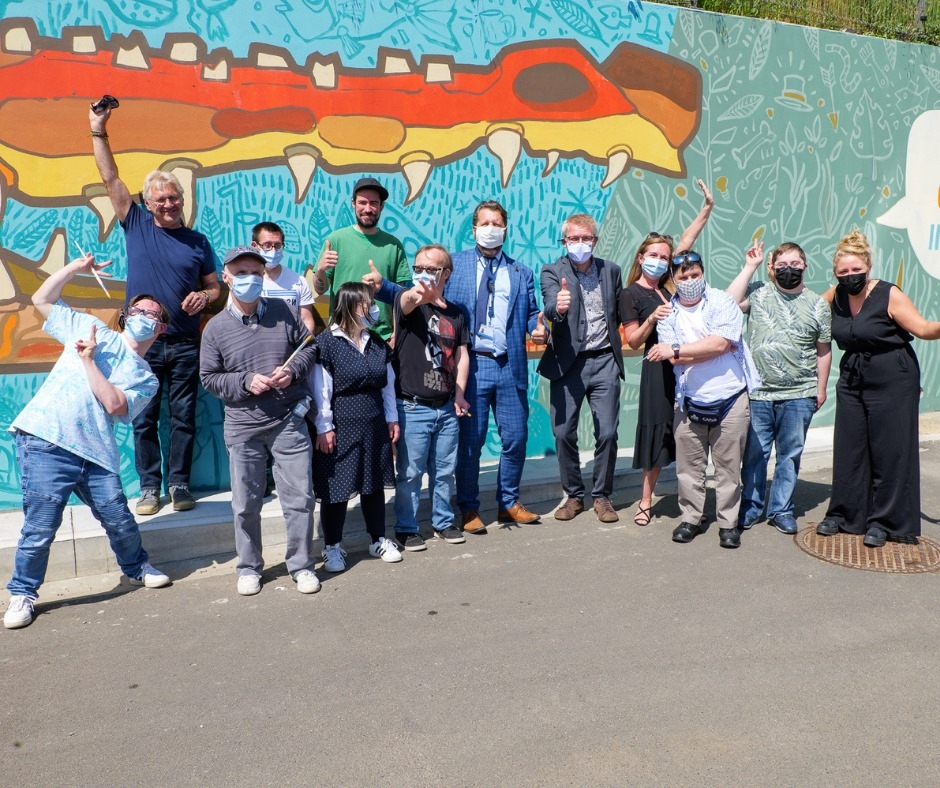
[563,299]
[540,334]
[373,278]
[328,259]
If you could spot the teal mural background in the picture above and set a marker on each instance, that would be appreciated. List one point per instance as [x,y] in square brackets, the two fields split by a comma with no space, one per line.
[803,135]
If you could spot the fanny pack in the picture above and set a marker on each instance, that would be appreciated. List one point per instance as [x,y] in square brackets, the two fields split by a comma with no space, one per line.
[712,413]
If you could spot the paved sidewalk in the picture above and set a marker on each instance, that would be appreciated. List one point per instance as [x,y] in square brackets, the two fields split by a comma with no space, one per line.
[562,654]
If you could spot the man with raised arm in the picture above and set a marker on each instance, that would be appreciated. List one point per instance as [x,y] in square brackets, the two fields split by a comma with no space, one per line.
[177,265]
[65,435]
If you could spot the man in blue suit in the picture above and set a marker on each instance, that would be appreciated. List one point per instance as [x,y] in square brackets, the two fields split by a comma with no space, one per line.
[497,297]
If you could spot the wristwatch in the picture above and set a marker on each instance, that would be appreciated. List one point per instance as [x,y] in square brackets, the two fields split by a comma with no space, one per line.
[675,350]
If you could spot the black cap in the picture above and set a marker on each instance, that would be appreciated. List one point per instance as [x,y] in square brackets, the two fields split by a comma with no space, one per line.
[371,183]
[242,251]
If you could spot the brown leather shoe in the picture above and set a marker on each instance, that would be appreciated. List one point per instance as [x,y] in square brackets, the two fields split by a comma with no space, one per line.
[569,509]
[604,510]
[472,523]
[518,514]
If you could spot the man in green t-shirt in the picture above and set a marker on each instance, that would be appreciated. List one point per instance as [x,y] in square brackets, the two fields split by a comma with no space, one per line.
[789,334]
[347,252]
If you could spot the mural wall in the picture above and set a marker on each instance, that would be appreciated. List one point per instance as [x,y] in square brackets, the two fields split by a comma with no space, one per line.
[270,110]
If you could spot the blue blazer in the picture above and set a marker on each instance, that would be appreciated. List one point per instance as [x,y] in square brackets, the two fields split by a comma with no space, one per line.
[461,291]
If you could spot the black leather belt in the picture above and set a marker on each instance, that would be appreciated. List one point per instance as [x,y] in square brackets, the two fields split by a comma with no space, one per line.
[488,354]
[594,353]
[440,402]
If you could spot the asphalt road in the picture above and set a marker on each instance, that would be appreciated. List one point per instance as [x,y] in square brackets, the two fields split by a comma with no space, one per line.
[568,653]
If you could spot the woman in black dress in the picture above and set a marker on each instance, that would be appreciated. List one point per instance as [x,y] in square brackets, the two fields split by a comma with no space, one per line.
[357,422]
[876,461]
[643,302]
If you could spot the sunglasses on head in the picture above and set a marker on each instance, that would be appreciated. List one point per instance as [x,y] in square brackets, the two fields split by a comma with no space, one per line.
[685,259]
[653,234]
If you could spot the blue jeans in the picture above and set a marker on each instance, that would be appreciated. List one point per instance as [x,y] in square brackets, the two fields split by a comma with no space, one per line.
[783,423]
[175,362]
[428,444]
[49,475]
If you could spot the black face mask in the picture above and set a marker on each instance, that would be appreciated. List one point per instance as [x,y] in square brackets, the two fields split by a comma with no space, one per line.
[788,278]
[853,283]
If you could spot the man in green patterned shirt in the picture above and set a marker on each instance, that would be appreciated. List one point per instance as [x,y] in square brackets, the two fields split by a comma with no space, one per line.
[789,334]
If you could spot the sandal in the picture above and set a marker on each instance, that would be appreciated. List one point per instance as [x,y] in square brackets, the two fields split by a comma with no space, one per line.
[643,514]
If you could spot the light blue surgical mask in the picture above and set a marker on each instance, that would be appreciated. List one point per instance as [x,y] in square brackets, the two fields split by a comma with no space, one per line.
[654,267]
[580,252]
[372,318]
[424,276]
[140,328]
[247,287]
[272,258]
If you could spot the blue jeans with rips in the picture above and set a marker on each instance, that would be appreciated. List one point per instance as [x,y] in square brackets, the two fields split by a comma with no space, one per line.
[428,444]
[783,424]
[49,475]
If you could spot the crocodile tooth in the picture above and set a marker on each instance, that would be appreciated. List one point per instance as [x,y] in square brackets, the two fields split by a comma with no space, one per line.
[396,65]
[302,162]
[184,52]
[551,159]
[85,45]
[506,145]
[438,72]
[131,58]
[217,73]
[617,164]
[324,75]
[100,204]
[271,60]
[416,168]
[17,39]
[187,179]
[56,255]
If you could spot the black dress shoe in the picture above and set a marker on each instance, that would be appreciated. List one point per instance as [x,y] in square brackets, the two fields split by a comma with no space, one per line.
[729,537]
[828,527]
[875,537]
[686,532]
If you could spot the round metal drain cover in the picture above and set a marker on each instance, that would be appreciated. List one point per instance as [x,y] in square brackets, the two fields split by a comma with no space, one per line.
[848,550]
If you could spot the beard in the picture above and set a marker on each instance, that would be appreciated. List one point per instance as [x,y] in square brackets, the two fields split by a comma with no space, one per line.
[367,221]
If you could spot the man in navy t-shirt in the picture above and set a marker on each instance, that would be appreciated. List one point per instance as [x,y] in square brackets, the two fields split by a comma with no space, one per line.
[177,266]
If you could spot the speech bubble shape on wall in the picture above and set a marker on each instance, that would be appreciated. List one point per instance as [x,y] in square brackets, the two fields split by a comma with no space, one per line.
[918,211]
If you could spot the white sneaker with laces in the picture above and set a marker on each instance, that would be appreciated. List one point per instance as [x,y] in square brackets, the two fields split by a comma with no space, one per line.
[334,558]
[386,550]
[248,585]
[307,582]
[150,577]
[19,612]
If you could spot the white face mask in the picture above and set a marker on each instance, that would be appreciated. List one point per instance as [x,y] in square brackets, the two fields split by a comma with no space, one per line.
[272,258]
[372,318]
[428,279]
[580,252]
[489,236]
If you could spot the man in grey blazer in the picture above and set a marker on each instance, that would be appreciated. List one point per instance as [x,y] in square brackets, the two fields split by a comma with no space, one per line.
[581,297]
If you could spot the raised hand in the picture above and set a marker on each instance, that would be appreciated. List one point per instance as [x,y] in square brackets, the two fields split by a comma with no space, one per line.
[755,255]
[86,347]
[540,334]
[563,299]
[709,200]
[373,278]
[328,259]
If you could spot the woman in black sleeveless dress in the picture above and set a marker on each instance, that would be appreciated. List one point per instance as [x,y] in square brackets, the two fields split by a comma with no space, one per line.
[876,461]
[643,303]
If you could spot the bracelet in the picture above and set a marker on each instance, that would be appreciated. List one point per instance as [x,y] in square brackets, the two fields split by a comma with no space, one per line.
[100,134]
[206,297]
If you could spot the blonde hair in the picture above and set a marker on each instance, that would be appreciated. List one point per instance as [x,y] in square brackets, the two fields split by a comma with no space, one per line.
[637,268]
[159,179]
[856,244]
[579,220]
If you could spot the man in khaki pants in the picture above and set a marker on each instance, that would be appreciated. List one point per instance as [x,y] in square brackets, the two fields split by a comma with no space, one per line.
[702,338]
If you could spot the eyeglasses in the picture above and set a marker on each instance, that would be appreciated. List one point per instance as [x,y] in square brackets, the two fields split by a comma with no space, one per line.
[173,200]
[685,259]
[574,239]
[784,266]
[425,269]
[269,246]
[655,234]
[153,315]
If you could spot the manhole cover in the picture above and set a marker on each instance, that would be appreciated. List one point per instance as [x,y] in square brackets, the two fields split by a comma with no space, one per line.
[848,550]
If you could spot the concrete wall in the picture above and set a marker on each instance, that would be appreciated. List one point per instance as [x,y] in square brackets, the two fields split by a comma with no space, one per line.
[270,110]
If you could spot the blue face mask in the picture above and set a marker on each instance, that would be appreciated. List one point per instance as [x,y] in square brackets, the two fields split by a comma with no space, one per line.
[247,287]
[654,267]
[372,318]
[140,328]
[272,258]
[428,279]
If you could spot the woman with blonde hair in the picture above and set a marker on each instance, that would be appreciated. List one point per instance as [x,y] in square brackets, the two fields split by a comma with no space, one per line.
[643,303]
[875,465]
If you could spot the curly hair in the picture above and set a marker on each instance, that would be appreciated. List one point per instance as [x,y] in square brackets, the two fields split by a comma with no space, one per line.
[855,243]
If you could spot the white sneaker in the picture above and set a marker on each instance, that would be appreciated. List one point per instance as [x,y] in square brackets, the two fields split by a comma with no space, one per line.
[19,612]
[150,577]
[334,558]
[248,585]
[307,582]
[386,550]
